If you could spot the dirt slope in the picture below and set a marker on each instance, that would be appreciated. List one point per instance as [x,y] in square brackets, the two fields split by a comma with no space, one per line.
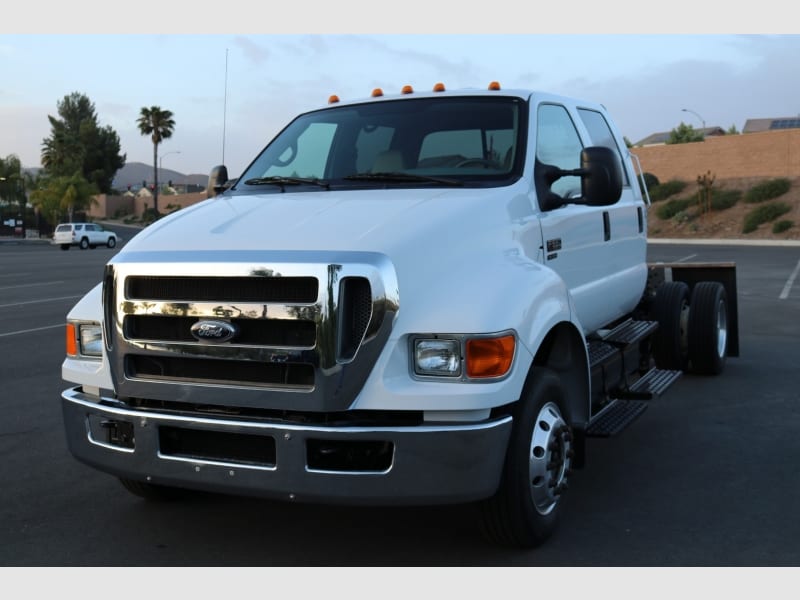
[728,223]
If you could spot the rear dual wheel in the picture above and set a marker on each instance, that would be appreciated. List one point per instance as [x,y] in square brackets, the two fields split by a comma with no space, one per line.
[693,327]
[708,328]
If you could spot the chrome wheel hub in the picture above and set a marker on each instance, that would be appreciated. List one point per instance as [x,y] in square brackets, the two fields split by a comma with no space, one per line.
[550,457]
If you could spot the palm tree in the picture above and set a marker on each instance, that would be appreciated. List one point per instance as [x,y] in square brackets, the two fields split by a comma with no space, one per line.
[159,125]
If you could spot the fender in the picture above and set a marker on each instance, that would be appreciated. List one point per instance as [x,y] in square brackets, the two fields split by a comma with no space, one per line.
[89,373]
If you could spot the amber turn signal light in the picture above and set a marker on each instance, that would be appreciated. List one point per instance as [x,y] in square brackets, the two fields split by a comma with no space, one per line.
[72,340]
[490,357]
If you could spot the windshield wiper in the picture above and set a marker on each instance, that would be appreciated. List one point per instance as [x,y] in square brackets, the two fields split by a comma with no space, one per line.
[282,181]
[399,176]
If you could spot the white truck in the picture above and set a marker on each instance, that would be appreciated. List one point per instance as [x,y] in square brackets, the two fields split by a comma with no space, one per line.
[422,298]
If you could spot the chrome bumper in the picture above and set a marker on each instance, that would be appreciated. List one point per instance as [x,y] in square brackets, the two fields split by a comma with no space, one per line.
[427,464]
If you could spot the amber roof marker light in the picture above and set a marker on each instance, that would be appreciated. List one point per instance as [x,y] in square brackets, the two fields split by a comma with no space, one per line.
[407,89]
[494,86]
[439,87]
[333,99]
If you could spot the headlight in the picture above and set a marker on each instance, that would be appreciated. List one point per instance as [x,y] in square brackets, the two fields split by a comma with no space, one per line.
[465,357]
[437,357]
[85,339]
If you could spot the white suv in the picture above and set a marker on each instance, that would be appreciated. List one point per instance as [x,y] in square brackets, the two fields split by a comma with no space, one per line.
[83,235]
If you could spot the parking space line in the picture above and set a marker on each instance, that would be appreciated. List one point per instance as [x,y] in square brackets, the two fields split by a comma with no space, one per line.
[685,258]
[30,330]
[13,287]
[40,301]
[789,283]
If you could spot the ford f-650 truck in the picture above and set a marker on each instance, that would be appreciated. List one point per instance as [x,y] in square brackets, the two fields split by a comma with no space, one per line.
[421,298]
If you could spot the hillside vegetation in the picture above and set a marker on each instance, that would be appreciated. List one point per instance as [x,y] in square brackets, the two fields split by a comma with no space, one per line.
[748,208]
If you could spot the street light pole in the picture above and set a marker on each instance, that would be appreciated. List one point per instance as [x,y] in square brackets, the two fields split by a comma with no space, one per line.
[696,115]
[161,160]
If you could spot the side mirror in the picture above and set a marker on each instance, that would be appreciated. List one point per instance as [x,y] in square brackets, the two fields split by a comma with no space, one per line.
[601,179]
[601,176]
[217,180]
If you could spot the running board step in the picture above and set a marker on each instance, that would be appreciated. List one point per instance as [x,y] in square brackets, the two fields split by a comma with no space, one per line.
[630,332]
[615,417]
[651,385]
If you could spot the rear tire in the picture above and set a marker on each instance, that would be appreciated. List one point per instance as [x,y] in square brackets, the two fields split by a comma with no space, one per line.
[84,244]
[151,491]
[670,348]
[708,328]
[524,511]
[65,246]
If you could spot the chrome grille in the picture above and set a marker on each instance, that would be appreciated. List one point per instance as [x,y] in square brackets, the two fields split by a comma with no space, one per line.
[299,326]
[223,289]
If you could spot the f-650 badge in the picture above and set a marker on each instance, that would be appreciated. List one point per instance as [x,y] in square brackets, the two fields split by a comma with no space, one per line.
[214,331]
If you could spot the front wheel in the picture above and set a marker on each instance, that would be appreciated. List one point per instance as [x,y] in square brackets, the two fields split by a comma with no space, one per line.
[524,511]
[111,242]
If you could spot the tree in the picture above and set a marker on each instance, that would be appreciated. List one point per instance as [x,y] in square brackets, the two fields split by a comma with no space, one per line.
[77,144]
[63,194]
[628,143]
[732,130]
[159,125]
[12,181]
[683,134]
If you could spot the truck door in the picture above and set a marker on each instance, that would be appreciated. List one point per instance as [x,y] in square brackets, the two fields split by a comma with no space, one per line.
[592,248]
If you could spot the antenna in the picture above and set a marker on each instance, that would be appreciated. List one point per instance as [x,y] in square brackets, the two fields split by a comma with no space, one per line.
[225,106]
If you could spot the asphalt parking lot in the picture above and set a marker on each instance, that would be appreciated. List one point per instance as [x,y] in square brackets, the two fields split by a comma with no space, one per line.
[706,477]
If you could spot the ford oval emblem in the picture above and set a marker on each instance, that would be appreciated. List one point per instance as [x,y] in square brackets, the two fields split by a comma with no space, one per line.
[216,332]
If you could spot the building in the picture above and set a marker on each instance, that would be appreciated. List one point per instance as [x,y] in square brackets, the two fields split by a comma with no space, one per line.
[757,125]
[655,139]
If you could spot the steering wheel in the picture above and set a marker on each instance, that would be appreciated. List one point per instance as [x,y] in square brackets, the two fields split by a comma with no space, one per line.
[292,153]
[489,164]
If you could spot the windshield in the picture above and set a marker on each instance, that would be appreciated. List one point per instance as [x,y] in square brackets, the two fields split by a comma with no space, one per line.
[463,141]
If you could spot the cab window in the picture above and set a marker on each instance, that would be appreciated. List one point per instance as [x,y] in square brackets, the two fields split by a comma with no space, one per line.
[601,135]
[558,144]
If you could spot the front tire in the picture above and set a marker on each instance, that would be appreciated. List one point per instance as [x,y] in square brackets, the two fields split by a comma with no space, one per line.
[524,511]
[111,242]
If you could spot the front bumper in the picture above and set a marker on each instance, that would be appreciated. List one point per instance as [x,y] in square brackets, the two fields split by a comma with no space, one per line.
[426,464]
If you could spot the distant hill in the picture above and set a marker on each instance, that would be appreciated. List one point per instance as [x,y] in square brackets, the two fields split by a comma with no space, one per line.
[134,173]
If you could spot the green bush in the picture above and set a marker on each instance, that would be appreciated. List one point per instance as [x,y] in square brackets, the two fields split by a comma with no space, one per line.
[764,214]
[650,181]
[723,199]
[767,190]
[664,190]
[673,207]
[782,225]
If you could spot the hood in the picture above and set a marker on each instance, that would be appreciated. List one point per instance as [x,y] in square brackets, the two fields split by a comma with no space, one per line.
[363,220]
[455,248]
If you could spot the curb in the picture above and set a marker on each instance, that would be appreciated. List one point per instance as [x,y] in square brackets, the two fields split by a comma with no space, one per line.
[723,242]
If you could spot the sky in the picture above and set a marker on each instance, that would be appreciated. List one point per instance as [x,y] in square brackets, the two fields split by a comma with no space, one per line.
[231,91]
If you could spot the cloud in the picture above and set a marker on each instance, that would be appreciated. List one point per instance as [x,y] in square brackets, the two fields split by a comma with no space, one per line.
[254,52]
